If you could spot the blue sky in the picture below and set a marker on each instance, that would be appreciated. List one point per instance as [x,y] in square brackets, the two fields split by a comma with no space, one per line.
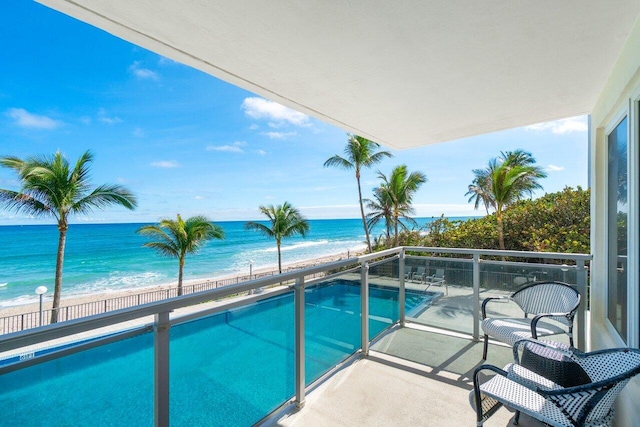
[185,142]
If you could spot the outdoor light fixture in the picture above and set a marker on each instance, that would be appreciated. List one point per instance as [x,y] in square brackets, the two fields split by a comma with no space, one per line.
[41,290]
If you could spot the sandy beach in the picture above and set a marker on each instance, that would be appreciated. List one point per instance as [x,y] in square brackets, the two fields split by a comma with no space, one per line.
[81,299]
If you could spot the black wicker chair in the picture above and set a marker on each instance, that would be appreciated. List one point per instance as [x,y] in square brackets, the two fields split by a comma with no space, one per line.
[556,301]
[556,385]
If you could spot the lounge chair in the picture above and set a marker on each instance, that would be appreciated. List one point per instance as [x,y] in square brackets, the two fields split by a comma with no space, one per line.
[437,279]
[419,274]
[407,272]
[556,385]
[555,300]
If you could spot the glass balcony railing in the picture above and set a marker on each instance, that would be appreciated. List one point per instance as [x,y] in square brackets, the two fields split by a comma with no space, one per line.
[237,360]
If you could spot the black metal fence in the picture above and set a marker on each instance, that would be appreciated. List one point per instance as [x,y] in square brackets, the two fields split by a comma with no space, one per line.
[34,319]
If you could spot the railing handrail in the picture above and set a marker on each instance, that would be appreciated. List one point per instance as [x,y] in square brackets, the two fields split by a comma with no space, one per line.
[506,253]
[120,302]
[23,338]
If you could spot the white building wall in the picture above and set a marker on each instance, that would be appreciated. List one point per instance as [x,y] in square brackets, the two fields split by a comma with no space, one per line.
[617,98]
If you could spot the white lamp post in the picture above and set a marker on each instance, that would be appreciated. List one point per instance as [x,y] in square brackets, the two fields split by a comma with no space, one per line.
[41,290]
[564,268]
[250,269]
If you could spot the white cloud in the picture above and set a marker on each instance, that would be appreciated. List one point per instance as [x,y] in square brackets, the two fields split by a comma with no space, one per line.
[104,118]
[143,73]
[260,108]
[230,148]
[165,164]
[278,135]
[261,152]
[554,168]
[85,120]
[562,127]
[198,197]
[254,127]
[25,119]
[137,132]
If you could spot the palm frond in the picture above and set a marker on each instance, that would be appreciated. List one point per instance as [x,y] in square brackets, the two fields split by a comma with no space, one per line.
[103,196]
[339,162]
[252,225]
[178,237]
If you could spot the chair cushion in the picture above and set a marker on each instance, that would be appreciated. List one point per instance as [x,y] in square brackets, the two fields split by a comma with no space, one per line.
[509,330]
[553,365]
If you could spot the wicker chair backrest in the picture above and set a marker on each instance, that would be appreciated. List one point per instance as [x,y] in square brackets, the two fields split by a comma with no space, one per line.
[610,370]
[547,297]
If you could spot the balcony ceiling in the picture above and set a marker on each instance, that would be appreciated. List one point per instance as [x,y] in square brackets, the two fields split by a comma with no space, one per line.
[403,74]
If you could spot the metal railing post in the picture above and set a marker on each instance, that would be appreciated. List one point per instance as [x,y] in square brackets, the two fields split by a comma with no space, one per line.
[298,296]
[401,293]
[364,308]
[581,282]
[476,297]
[161,369]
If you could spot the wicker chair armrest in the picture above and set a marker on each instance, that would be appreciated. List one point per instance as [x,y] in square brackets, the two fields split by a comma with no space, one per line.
[476,385]
[489,299]
[536,319]
[585,388]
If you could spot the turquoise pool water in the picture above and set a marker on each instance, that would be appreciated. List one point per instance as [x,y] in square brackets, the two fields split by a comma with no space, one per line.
[230,369]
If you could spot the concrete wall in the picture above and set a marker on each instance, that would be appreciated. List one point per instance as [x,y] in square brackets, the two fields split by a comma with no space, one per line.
[616,99]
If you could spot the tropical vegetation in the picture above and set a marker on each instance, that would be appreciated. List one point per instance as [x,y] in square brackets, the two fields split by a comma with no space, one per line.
[51,187]
[179,237]
[283,221]
[555,222]
[359,153]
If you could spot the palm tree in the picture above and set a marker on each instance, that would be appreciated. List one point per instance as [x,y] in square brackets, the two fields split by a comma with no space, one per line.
[480,191]
[284,221]
[177,238]
[398,190]
[506,179]
[51,187]
[380,209]
[359,153]
[529,182]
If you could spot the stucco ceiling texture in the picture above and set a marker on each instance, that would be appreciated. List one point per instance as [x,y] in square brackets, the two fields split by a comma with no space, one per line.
[403,74]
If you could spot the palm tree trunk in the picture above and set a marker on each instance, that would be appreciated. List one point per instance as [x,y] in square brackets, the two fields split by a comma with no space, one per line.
[387,244]
[500,231]
[279,258]
[180,271]
[364,221]
[395,225]
[57,291]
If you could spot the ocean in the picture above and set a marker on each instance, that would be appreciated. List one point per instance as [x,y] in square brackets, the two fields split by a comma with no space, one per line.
[110,257]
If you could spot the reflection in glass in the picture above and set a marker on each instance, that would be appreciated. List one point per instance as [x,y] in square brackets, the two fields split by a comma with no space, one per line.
[618,210]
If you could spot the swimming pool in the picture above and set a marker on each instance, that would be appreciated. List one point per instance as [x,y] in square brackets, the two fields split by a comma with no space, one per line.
[229,369]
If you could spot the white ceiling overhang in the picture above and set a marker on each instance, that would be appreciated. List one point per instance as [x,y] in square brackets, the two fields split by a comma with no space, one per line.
[402,73]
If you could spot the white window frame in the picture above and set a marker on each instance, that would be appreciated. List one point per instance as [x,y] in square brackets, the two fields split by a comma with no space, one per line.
[633,277]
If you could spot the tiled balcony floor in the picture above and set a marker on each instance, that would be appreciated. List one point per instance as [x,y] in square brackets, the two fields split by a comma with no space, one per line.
[412,377]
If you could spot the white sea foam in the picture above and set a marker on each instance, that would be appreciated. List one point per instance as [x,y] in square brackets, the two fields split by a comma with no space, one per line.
[297,246]
[118,281]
